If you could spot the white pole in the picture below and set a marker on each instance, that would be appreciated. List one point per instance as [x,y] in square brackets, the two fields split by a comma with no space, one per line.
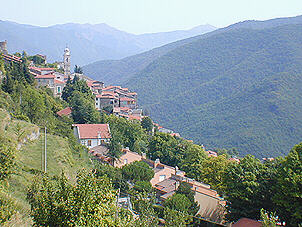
[45,154]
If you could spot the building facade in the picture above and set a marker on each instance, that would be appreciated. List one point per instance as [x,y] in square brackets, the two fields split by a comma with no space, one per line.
[92,135]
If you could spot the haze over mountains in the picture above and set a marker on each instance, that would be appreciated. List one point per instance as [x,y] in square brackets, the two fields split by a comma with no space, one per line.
[88,43]
[235,87]
[118,71]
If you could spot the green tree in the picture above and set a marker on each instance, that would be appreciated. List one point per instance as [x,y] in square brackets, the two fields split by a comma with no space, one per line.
[113,173]
[91,202]
[67,91]
[143,204]
[243,189]
[127,133]
[7,206]
[147,124]
[268,219]
[8,84]
[115,149]
[192,163]
[176,218]
[179,202]
[7,157]
[142,186]
[213,170]
[137,171]
[83,110]
[175,151]
[185,189]
[78,69]
[76,85]
[288,188]
[37,60]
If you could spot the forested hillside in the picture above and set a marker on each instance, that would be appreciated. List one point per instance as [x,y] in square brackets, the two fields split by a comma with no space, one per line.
[118,71]
[238,88]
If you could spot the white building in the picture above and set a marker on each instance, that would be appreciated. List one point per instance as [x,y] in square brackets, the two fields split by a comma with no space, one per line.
[91,135]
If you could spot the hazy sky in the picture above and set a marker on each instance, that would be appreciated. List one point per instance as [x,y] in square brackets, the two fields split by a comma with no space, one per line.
[141,16]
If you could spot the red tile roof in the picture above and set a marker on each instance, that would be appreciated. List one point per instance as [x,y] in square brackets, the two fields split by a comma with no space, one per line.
[89,83]
[132,93]
[65,112]
[11,58]
[175,134]
[212,154]
[111,87]
[125,109]
[42,69]
[126,99]
[246,222]
[132,117]
[235,159]
[108,93]
[106,97]
[91,131]
[58,81]
[48,76]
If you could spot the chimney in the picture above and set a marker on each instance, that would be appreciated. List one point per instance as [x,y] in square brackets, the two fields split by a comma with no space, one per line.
[156,162]
[176,169]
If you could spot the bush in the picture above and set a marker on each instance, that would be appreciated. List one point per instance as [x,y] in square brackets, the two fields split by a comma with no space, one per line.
[143,186]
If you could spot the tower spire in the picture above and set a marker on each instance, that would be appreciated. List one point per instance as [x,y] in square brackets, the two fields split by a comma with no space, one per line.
[66,61]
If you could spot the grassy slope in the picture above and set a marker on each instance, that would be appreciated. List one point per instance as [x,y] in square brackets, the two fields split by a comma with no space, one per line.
[29,161]
[236,88]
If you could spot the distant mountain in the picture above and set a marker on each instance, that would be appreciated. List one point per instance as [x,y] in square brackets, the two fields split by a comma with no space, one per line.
[239,88]
[234,87]
[118,71]
[88,43]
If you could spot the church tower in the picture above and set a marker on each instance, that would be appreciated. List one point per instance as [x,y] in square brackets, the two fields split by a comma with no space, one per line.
[66,61]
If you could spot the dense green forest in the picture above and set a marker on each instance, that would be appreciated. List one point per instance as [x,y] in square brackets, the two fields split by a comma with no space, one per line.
[238,88]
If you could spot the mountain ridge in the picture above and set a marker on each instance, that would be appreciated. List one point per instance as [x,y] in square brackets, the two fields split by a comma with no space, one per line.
[118,71]
[87,42]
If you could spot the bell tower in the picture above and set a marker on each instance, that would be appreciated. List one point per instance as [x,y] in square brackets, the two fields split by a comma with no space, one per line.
[66,61]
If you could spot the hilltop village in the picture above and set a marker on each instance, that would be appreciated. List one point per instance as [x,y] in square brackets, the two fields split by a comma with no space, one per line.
[123,103]
[100,142]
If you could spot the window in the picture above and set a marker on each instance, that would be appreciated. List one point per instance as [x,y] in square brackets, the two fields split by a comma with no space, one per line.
[89,143]
[162,177]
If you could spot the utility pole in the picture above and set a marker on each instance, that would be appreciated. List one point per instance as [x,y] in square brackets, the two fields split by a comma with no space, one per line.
[117,203]
[45,152]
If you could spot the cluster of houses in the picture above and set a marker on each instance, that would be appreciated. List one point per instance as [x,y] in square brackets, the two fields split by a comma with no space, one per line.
[166,178]
[123,103]
[120,101]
